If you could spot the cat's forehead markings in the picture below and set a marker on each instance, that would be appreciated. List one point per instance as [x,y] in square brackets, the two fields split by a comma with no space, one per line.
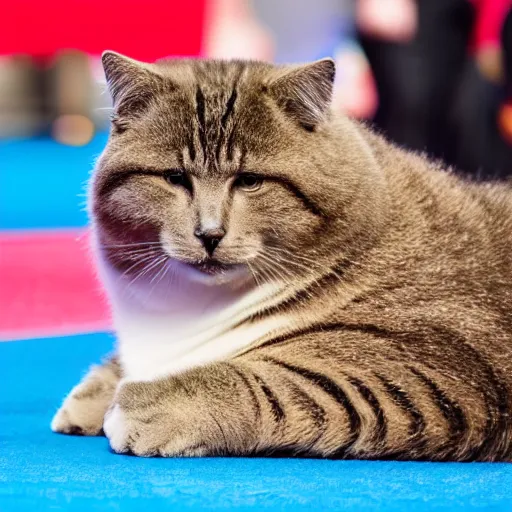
[215,103]
[218,74]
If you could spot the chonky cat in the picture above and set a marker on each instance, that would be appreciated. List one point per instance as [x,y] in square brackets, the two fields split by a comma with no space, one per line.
[285,281]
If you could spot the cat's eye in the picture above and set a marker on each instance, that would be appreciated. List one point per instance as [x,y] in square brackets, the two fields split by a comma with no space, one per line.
[177,178]
[249,182]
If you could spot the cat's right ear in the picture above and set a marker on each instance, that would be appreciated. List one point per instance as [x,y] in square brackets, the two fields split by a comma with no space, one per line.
[131,84]
[304,92]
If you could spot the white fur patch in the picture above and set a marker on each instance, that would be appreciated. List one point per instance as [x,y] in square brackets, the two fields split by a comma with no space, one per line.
[177,325]
[115,429]
[151,348]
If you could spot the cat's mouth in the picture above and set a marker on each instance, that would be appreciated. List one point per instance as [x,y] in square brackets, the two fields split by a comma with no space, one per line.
[212,267]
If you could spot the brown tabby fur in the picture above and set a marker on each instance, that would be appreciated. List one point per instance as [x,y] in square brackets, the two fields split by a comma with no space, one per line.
[397,274]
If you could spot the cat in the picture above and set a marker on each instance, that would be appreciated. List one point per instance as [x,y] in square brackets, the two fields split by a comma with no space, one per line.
[284,281]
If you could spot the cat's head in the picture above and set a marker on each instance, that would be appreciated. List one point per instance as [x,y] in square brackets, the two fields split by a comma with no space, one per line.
[225,170]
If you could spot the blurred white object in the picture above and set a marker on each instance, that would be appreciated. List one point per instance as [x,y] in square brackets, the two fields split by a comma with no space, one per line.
[391,20]
[355,92]
[233,31]
[306,31]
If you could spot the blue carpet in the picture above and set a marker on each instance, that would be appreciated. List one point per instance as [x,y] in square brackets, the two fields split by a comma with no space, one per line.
[42,471]
[42,183]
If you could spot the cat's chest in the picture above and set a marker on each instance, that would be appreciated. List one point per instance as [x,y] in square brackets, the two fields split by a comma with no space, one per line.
[196,329]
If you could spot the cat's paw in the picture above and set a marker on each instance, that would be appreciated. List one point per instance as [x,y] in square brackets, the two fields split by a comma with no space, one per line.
[84,408]
[149,435]
[115,427]
[157,419]
[78,417]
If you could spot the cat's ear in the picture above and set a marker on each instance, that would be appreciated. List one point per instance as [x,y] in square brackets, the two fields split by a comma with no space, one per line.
[305,92]
[131,83]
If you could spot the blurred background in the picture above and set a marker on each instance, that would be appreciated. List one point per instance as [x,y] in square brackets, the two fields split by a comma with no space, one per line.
[433,75]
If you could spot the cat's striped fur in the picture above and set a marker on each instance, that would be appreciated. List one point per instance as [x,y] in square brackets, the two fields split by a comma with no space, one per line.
[388,307]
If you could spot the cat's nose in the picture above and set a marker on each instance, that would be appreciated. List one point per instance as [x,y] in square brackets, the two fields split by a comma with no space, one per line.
[210,238]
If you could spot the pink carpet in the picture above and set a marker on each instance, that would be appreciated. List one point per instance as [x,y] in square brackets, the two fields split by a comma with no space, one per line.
[48,286]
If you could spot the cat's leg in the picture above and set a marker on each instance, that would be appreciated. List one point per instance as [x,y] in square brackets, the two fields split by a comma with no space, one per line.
[84,408]
[385,404]
[204,411]
[228,408]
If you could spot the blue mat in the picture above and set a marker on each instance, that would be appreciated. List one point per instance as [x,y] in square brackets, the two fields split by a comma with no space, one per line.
[42,183]
[40,470]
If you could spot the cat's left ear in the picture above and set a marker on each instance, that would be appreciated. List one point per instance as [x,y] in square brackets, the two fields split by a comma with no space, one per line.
[131,83]
[305,92]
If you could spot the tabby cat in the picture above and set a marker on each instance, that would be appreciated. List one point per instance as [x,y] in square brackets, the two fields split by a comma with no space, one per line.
[285,281]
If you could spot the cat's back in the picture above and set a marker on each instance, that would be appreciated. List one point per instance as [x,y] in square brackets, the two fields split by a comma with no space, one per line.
[431,204]
[446,257]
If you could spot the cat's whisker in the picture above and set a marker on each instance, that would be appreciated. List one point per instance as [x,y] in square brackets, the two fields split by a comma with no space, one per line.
[134,244]
[322,269]
[270,274]
[268,267]
[277,264]
[173,281]
[127,253]
[265,269]
[163,266]
[158,276]
[287,258]
[249,266]
[288,279]
[145,270]
[292,256]
[139,261]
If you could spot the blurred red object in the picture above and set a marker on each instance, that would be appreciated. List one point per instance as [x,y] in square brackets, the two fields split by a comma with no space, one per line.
[486,40]
[490,15]
[143,30]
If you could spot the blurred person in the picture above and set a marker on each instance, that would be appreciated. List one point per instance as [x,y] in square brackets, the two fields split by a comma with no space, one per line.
[416,50]
[437,66]
[481,143]
[505,111]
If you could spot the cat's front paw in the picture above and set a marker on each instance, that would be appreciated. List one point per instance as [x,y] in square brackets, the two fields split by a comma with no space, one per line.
[79,417]
[84,408]
[148,421]
[149,435]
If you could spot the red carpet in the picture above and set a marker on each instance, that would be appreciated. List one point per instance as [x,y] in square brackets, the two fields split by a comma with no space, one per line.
[48,286]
